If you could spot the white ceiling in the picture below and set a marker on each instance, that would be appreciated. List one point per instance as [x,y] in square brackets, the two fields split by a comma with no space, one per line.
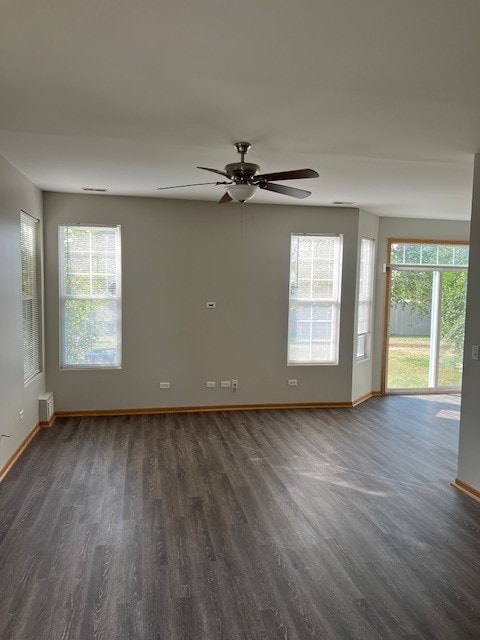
[381,97]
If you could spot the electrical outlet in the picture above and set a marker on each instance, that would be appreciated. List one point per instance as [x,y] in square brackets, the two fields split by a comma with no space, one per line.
[475,352]
[164,385]
[225,384]
[210,384]
[292,383]
[211,305]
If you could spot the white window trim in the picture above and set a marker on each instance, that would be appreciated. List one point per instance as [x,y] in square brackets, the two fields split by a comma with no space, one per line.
[64,298]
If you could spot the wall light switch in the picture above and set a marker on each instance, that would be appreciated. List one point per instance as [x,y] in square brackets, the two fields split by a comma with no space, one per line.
[292,383]
[210,384]
[475,352]
[211,305]
[225,384]
[164,385]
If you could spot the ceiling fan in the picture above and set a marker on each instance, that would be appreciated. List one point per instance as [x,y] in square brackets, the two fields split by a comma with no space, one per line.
[244,180]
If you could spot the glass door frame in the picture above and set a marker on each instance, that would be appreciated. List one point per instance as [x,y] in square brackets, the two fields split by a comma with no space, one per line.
[435,337]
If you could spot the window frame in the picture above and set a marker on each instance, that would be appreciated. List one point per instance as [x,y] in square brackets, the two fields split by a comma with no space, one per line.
[36,299]
[368,300]
[62,298]
[335,301]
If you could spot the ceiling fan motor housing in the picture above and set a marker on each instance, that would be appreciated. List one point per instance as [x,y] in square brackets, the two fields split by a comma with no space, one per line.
[242,172]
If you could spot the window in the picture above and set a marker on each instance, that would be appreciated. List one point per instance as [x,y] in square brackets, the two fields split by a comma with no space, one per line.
[30,254]
[418,254]
[90,297]
[314,305]
[365,297]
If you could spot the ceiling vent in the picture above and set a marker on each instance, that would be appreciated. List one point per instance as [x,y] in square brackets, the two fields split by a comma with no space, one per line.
[94,189]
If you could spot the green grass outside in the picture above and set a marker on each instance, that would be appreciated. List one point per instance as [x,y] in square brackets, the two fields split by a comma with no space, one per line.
[408,364]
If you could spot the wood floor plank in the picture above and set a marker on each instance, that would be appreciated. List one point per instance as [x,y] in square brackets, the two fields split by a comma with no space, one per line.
[335,524]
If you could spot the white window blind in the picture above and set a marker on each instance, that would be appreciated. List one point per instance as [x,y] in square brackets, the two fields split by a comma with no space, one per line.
[314,305]
[31,303]
[365,297]
[90,296]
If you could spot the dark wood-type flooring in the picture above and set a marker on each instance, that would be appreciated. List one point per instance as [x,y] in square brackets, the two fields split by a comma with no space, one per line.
[332,524]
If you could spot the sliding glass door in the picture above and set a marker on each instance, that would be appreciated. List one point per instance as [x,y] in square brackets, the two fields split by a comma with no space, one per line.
[426,317]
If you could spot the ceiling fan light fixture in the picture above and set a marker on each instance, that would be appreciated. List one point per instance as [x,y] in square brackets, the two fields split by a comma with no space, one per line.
[242,192]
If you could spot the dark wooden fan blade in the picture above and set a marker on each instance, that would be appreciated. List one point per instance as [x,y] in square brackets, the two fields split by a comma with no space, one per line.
[282,188]
[287,175]
[224,198]
[222,173]
[194,184]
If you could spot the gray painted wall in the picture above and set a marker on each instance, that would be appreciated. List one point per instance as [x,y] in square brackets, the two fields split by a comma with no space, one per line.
[176,256]
[409,228]
[16,194]
[469,447]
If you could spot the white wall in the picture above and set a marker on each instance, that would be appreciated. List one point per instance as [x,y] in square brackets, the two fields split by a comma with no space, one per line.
[16,194]
[176,256]
[469,446]
[362,371]
[404,228]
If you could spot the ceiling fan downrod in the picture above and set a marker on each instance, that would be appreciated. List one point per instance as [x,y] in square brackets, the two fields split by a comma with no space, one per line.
[242,148]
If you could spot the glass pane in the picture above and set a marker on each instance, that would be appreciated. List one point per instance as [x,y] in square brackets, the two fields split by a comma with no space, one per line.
[322,289]
[429,254]
[362,345]
[303,289]
[363,317]
[321,331]
[452,328]
[322,351]
[77,285]
[304,269]
[397,254]
[78,262]
[412,254]
[461,256]
[91,333]
[445,255]
[299,352]
[323,269]
[409,329]
[323,248]
[322,311]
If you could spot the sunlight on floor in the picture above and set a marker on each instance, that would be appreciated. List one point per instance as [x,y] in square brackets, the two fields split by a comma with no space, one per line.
[449,414]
